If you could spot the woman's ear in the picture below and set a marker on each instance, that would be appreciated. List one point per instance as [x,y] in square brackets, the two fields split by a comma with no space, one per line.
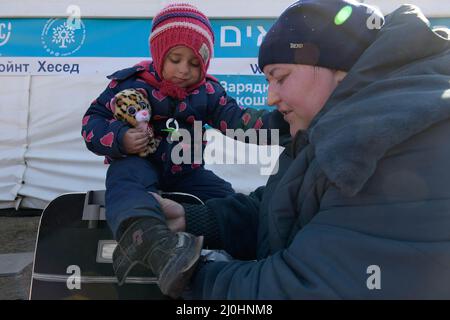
[339,76]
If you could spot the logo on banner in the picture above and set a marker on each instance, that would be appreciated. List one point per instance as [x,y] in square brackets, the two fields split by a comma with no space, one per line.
[60,38]
[5,33]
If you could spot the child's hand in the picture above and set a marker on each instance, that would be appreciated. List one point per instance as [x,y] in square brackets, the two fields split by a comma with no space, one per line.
[135,140]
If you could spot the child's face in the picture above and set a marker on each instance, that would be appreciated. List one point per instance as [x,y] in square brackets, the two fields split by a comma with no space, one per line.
[181,67]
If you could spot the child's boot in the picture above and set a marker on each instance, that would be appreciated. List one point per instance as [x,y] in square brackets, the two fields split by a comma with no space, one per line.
[172,257]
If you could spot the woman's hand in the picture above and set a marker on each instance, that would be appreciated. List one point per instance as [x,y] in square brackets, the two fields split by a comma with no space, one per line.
[174,212]
[135,140]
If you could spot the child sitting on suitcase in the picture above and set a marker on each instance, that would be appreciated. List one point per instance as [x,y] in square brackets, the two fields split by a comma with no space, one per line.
[179,91]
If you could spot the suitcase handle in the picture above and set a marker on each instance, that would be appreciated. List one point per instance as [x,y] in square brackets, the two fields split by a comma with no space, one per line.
[94,204]
[94,208]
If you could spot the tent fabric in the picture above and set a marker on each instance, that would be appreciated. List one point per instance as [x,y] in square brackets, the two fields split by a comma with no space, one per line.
[13,138]
[57,160]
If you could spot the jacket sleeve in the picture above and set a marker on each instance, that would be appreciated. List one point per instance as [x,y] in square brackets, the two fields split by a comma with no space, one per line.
[322,262]
[224,113]
[345,252]
[102,133]
[228,223]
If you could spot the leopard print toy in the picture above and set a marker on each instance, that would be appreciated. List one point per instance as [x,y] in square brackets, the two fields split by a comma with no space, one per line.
[132,106]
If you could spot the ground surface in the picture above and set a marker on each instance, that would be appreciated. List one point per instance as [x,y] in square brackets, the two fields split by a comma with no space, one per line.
[18,231]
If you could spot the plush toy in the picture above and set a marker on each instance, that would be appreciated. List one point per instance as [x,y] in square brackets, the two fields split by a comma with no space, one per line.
[132,106]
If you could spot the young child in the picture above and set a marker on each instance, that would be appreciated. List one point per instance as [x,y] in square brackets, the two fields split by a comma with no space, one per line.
[178,88]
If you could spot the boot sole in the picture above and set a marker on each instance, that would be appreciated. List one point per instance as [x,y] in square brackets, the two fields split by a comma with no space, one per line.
[179,279]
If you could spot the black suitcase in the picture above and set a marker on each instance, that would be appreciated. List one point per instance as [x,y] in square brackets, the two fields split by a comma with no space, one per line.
[73,256]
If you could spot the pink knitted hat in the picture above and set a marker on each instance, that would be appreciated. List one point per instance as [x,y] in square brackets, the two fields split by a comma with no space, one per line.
[181,24]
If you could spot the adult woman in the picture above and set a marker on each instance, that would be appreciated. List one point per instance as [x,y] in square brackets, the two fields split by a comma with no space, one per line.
[360,206]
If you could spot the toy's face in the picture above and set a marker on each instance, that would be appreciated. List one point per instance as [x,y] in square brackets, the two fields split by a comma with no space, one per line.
[127,103]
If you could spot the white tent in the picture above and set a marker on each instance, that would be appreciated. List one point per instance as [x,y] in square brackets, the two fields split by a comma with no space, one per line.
[42,154]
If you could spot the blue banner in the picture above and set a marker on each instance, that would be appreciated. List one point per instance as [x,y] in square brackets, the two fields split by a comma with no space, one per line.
[116,37]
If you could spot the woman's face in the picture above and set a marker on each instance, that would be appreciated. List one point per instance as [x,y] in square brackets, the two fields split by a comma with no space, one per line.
[300,91]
